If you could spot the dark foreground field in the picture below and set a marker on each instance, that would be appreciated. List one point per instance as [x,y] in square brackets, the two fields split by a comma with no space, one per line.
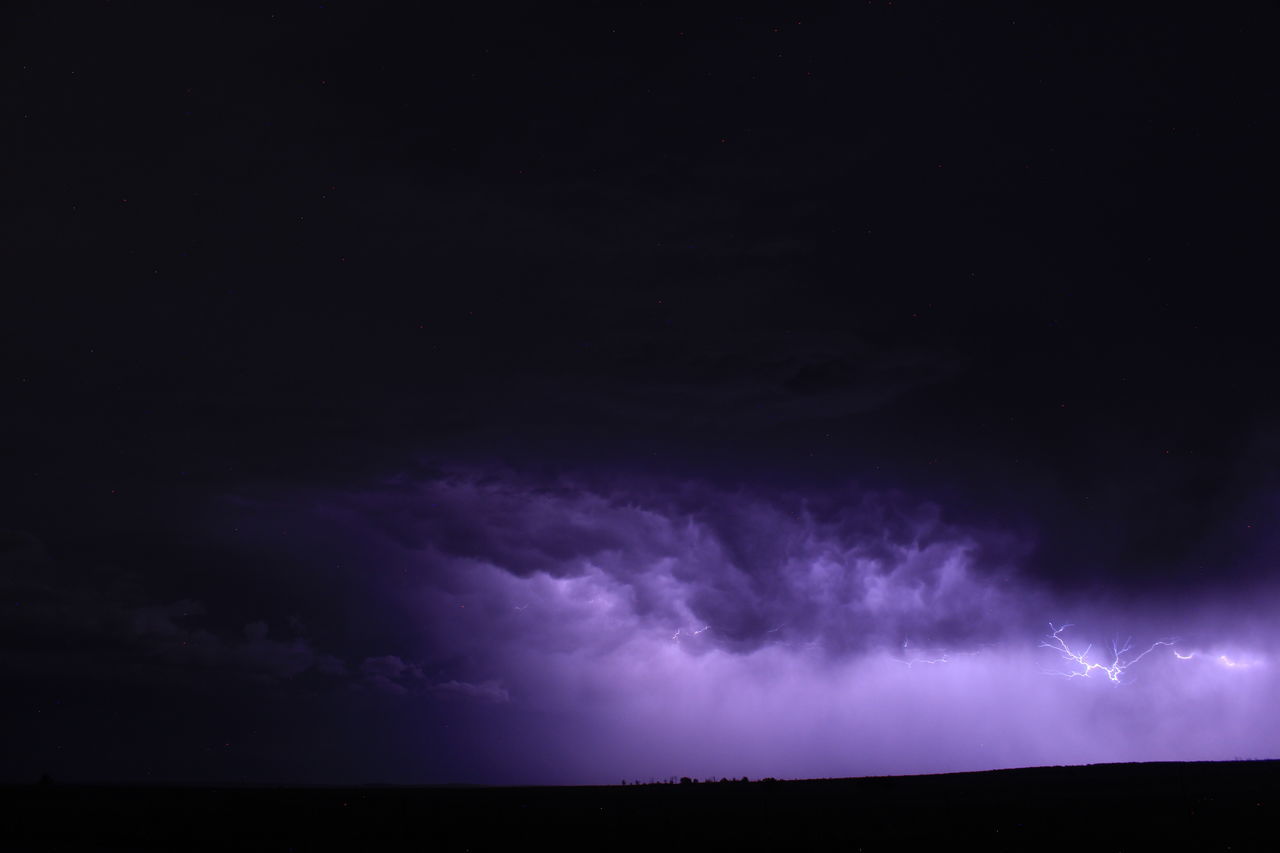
[1201,806]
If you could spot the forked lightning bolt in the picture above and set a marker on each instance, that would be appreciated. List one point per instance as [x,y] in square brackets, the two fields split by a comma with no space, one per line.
[1085,668]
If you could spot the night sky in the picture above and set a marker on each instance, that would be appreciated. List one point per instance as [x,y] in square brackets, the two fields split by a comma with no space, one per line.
[399,393]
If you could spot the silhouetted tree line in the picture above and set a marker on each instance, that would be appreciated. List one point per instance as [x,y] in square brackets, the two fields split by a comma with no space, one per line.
[692,780]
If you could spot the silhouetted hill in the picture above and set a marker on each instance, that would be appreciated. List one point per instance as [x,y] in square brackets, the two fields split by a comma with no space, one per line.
[1201,806]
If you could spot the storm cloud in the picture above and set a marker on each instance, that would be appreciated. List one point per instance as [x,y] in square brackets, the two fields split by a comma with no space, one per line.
[679,626]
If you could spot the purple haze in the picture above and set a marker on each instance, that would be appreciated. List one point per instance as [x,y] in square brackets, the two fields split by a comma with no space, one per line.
[673,627]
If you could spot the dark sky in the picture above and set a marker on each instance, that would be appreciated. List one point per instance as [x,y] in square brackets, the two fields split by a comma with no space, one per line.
[414,394]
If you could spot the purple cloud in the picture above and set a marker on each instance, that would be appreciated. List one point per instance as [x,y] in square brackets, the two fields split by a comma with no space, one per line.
[486,691]
[845,572]
[696,629]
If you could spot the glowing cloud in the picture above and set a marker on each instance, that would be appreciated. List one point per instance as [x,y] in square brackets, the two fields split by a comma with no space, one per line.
[674,627]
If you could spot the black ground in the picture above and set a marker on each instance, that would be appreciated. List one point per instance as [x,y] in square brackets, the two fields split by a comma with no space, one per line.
[1201,806]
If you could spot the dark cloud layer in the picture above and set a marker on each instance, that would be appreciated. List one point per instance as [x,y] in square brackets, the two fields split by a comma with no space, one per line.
[644,623]
[846,570]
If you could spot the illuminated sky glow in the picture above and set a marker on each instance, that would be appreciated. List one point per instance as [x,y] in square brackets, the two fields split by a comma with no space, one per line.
[729,634]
